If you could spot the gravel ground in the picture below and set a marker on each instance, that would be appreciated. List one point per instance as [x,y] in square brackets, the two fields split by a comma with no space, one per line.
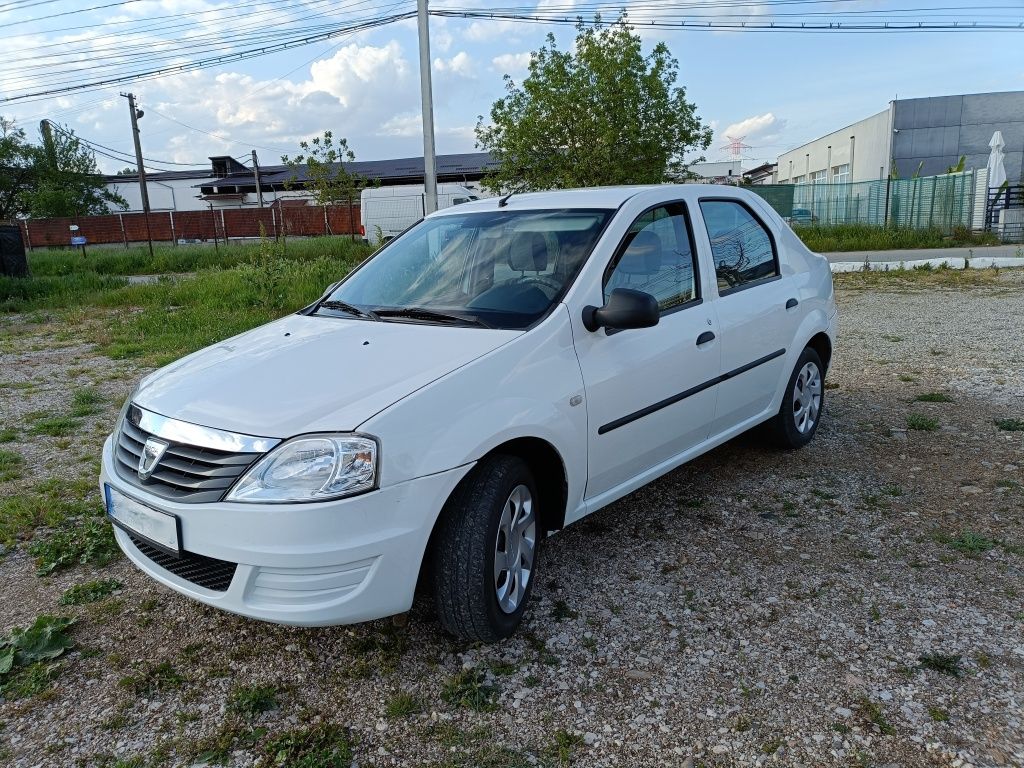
[816,608]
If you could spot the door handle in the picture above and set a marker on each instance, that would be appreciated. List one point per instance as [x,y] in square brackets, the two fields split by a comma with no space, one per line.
[791,303]
[705,337]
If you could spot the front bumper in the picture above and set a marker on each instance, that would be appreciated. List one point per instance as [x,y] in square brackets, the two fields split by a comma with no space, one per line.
[318,564]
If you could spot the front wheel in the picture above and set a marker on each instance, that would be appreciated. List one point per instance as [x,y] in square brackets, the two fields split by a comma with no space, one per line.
[483,564]
[798,417]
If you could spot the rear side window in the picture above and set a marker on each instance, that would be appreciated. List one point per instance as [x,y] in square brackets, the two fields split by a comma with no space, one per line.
[656,257]
[741,247]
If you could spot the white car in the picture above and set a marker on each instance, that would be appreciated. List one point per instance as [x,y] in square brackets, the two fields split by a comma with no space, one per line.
[502,369]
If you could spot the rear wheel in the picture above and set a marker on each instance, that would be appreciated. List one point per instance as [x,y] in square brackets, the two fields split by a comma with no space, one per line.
[800,413]
[485,551]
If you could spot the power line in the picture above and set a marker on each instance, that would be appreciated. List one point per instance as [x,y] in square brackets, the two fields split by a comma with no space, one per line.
[210,61]
[99,148]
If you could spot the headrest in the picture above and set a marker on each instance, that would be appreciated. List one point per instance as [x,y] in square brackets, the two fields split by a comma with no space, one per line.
[528,253]
[643,255]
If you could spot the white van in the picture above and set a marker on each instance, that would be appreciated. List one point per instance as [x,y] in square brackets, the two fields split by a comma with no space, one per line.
[392,210]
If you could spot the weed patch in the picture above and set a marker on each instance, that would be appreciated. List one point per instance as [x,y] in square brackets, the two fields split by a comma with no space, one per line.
[321,746]
[11,465]
[922,423]
[933,397]
[27,656]
[89,592]
[91,542]
[947,664]
[403,704]
[252,700]
[1010,425]
[469,690]
[153,678]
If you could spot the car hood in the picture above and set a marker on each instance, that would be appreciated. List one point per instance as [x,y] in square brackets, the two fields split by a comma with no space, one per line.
[310,373]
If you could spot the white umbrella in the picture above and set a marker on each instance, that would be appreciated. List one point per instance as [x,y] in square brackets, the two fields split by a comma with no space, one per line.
[996,169]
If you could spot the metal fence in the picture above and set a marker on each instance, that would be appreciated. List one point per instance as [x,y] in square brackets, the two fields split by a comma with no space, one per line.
[943,202]
[1004,213]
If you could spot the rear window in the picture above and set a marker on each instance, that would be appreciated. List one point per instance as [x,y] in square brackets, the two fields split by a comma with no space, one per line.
[741,245]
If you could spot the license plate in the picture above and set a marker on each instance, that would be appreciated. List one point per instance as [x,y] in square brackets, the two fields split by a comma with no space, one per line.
[158,528]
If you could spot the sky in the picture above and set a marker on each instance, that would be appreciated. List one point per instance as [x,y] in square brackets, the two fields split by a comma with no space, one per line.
[777,90]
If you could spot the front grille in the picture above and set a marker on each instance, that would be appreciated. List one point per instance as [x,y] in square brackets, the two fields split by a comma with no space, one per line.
[207,572]
[186,473]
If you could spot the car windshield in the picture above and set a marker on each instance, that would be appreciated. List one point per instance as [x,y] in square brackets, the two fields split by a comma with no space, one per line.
[495,269]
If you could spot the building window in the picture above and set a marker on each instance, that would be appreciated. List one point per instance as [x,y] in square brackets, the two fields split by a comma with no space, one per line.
[841,174]
[818,177]
[799,179]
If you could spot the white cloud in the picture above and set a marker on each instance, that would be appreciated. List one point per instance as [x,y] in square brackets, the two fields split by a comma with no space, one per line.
[408,124]
[756,127]
[460,64]
[509,63]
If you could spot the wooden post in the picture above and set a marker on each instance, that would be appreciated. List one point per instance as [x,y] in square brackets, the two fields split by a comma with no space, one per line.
[174,236]
[273,223]
[124,235]
[223,227]
[28,236]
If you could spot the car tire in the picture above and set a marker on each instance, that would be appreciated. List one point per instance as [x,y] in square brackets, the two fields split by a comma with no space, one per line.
[803,404]
[491,517]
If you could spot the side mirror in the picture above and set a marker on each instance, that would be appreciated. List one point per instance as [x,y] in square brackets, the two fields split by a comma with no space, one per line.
[624,309]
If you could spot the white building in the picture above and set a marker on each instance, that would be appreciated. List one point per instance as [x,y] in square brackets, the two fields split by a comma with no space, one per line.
[925,136]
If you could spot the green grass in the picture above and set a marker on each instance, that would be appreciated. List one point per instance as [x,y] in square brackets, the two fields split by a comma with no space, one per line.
[153,678]
[320,746]
[27,656]
[89,592]
[251,700]
[403,704]
[971,543]
[86,401]
[922,423]
[170,259]
[11,465]
[874,713]
[864,237]
[468,690]
[933,397]
[947,664]
[52,504]
[1010,425]
[55,426]
[8,434]
[88,542]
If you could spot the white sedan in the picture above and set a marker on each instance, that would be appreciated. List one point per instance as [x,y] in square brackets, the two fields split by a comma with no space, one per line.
[497,372]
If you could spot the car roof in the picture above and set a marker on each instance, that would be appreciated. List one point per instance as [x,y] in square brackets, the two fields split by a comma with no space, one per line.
[589,197]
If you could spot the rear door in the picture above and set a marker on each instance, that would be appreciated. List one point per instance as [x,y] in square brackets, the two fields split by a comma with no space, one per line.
[650,391]
[755,308]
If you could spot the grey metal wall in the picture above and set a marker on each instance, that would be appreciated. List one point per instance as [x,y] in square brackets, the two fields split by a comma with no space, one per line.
[938,130]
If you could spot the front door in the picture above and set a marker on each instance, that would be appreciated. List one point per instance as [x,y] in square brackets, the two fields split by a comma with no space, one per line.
[650,392]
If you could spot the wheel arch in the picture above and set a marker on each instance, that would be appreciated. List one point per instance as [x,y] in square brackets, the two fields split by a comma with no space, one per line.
[821,344]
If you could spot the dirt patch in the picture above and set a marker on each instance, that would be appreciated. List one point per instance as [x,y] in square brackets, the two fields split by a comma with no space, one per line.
[858,602]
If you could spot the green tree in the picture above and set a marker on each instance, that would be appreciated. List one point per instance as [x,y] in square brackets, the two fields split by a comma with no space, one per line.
[17,170]
[322,163]
[67,180]
[604,115]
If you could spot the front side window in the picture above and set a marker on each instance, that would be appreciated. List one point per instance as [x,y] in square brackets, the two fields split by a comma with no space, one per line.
[741,247]
[499,269]
[656,257]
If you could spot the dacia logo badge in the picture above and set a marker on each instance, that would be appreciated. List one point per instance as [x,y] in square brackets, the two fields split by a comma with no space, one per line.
[152,452]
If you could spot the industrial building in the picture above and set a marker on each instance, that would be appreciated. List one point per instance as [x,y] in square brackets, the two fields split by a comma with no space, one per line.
[923,136]
[229,184]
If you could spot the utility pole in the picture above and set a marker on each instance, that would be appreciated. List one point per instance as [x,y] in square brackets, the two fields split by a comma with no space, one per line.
[135,115]
[48,147]
[256,174]
[429,158]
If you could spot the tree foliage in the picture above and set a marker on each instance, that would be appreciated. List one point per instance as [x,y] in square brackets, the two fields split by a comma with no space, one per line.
[63,180]
[322,162]
[604,115]
[17,168]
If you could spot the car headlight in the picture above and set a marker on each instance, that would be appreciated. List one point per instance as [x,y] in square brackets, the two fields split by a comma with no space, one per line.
[310,468]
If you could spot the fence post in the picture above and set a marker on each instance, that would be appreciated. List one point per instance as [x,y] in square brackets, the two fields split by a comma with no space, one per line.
[174,235]
[273,223]
[124,235]
[223,226]
[28,236]
[931,208]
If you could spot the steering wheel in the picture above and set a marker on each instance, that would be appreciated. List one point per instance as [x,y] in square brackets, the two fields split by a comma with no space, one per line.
[540,280]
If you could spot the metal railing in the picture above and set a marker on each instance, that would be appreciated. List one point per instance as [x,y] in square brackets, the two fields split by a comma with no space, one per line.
[1004,213]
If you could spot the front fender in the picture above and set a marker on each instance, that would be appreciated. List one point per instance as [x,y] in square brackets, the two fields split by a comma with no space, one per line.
[522,389]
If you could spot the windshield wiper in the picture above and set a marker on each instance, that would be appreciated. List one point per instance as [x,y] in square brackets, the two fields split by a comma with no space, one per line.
[421,313]
[351,309]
